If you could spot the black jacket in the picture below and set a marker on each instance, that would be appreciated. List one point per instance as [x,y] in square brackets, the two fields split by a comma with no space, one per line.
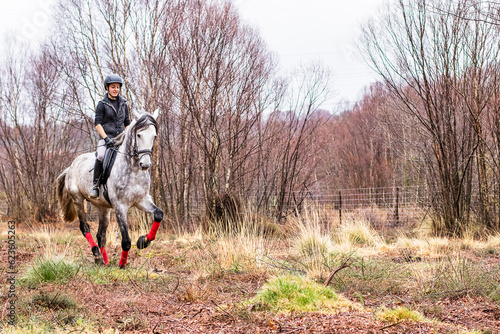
[113,121]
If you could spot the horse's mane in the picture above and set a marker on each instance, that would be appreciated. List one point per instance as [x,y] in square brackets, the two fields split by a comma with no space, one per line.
[143,122]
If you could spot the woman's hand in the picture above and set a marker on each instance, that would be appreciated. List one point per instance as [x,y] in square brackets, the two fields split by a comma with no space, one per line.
[109,142]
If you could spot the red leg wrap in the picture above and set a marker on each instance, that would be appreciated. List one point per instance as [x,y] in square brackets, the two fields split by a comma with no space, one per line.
[88,236]
[123,260]
[152,234]
[104,255]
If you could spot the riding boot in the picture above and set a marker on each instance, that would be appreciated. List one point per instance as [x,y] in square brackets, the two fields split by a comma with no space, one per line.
[97,175]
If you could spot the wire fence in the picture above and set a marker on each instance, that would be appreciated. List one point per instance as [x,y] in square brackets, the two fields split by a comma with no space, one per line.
[381,207]
[388,206]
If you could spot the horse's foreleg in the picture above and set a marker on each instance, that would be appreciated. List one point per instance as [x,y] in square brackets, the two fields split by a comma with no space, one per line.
[85,229]
[121,217]
[148,206]
[101,233]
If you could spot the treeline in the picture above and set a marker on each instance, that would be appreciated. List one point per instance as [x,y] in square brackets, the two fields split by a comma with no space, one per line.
[231,126]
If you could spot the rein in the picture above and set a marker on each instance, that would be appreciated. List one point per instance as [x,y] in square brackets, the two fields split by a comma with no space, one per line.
[135,153]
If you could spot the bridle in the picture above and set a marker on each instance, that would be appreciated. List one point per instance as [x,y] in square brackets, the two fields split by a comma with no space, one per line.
[136,153]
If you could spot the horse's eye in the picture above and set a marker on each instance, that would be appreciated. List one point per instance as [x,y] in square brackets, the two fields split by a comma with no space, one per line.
[139,135]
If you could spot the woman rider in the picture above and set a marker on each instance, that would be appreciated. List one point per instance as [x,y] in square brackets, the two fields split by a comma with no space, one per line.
[111,118]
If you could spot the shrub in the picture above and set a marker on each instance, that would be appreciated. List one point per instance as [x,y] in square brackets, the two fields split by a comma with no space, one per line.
[458,275]
[297,293]
[398,314]
[55,270]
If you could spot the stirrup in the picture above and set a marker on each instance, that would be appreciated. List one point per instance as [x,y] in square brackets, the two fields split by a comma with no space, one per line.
[94,193]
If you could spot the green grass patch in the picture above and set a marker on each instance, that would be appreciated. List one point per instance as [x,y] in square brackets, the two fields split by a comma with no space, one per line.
[398,314]
[63,321]
[112,273]
[293,293]
[48,312]
[57,270]
[32,325]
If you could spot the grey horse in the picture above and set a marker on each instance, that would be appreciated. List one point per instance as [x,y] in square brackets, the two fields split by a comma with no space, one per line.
[128,186]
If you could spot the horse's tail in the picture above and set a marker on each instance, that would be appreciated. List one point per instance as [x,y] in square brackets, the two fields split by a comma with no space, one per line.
[65,199]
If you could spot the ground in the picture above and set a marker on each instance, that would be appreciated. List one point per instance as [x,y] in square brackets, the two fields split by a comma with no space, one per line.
[171,289]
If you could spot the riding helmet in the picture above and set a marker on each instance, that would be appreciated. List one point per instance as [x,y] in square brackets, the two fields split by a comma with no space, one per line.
[112,78]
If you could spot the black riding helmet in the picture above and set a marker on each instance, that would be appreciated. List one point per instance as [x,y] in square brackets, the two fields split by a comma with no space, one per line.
[112,78]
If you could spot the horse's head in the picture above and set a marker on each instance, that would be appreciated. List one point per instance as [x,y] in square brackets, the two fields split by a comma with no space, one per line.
[143,136]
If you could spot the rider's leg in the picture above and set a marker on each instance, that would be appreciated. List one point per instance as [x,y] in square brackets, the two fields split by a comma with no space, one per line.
[101,149]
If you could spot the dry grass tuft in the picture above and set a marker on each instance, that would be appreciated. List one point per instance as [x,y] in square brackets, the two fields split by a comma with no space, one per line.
[357,232]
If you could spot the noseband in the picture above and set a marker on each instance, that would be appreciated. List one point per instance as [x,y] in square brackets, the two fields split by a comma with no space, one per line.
[136,153]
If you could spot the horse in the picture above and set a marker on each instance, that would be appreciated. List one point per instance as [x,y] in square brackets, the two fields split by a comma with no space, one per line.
[127,186]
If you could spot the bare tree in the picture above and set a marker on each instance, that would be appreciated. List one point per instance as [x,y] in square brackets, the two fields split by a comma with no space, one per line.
[220,68]
[432,60]
[33,137]
[289,146]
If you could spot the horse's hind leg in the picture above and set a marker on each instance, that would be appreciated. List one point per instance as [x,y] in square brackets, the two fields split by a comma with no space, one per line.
[101,232]
[85,228]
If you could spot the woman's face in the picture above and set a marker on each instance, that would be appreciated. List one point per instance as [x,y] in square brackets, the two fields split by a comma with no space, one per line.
[114,90]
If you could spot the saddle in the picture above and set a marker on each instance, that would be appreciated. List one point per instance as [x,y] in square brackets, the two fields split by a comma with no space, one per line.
[107,165]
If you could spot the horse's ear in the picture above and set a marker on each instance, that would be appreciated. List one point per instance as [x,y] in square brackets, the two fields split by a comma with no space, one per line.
[156,113]
[137,115]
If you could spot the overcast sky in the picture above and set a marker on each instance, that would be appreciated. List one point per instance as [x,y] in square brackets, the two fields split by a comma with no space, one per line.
[297,31]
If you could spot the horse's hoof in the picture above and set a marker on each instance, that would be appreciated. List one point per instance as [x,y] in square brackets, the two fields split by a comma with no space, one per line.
[97,256]
[143,242]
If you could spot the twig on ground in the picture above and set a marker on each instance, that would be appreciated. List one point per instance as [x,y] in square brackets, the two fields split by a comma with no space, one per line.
[134,284]
[280,265]
[194,315]
[448,291]
[50,303]
[345,264]
[220,308]
[76,272]
[176,276]
[391,325]
[55,318]
[399,298]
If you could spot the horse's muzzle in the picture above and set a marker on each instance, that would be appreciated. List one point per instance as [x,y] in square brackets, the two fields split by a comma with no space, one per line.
[145,162]
[144,166]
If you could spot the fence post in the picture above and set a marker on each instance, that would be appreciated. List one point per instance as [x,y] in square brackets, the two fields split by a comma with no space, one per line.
[396,211]
[340,207]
